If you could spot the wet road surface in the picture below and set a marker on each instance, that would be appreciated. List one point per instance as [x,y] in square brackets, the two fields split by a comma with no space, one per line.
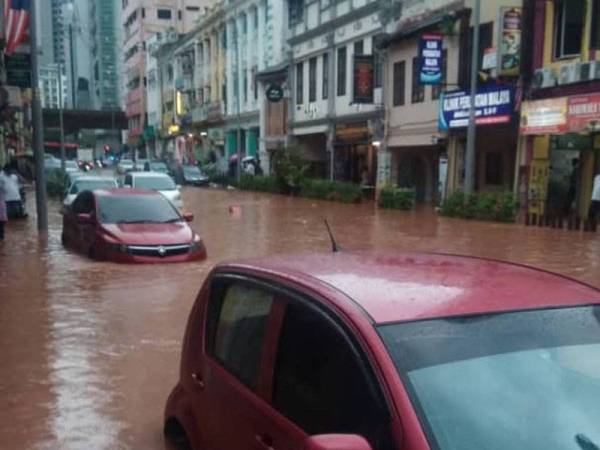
[91,350]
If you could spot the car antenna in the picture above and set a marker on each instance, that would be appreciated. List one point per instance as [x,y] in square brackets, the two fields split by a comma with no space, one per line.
[334,247]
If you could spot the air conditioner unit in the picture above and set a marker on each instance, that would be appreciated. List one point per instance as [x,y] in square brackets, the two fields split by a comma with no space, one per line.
[569,73]
[544,78]
[587,71]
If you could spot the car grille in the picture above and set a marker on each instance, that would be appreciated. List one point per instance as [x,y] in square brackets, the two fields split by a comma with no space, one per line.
[159,251]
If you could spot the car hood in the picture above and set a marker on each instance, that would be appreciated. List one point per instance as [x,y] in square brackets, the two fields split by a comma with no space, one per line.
[150,233]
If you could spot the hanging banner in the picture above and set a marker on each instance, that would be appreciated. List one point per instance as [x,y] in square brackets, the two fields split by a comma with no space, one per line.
[493,103]
[511,20]
[430,58]
[363,78]
[544,116]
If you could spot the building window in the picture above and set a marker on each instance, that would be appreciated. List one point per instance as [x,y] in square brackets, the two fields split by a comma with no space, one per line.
[143,13]
[164,14]
[179,16]
[245,87]
[377,69]
[325,76]
[437,89]
[569,21]
[359,47]
[341,71]
[312,80]
[296,10]
[399,82]
[299,83]
[418,90]
[595,24]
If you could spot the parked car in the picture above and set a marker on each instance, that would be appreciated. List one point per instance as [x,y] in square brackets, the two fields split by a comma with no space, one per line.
[52,163]
[141,164]
[130,226]
[193,175]
[378,352]
[87,183]
[124,166]
[71,166]
[157,182]
[159,166]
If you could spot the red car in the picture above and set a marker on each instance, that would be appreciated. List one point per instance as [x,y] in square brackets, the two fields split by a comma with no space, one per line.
[130,225]
[412,352]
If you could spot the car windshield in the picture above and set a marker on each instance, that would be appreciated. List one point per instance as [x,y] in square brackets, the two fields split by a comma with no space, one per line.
[523,380]
[156,183]
[192,170]
[126,162]
[91,185]
[137,209]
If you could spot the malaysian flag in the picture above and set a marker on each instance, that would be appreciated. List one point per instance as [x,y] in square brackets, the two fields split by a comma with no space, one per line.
[16,22]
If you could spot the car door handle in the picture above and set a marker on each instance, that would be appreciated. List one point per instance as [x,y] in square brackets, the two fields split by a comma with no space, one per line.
[198,381]
[265,441]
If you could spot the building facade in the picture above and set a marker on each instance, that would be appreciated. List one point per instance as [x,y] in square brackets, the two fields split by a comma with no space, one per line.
[560,150]
[140,20]
[53,85]
[333,129]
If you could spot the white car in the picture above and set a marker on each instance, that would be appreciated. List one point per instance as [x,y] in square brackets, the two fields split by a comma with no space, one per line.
[88,183]
[155,181]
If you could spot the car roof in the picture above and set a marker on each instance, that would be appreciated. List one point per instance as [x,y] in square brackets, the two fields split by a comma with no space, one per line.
[94,178]
[149,175]
[123,192]
[412,286]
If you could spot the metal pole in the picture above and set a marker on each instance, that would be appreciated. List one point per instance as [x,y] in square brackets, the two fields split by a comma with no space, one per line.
[472,130]
[38,129]
[63,155]
[72,62]
[239,93]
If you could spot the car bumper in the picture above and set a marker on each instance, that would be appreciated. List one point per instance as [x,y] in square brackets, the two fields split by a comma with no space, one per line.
[129,258]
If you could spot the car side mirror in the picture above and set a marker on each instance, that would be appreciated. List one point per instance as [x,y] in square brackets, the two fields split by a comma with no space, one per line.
[84,218]
[336,442]
[188,217]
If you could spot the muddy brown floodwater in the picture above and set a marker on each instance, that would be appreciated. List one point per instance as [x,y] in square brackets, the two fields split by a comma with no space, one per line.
[90,351]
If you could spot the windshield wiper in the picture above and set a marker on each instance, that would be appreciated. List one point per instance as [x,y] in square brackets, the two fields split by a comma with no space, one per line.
[174,220]
[585,443]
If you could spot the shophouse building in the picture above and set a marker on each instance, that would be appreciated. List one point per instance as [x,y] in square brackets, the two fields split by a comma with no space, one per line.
[425,125]
[560,119]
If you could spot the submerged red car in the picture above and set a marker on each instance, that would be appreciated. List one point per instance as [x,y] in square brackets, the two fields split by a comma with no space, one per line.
[351,351]
[130,226]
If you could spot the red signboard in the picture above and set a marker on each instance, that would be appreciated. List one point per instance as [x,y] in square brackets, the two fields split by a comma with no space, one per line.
[584,112]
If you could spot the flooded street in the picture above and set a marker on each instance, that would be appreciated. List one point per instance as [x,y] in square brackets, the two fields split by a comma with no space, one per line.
[91,350]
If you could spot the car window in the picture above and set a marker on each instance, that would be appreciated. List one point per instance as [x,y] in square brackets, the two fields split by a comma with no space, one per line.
[239,315]
[157,183]
[84,203]
[321,384]
[91,185]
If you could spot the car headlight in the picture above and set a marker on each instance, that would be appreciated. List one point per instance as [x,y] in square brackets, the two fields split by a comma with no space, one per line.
[196,245]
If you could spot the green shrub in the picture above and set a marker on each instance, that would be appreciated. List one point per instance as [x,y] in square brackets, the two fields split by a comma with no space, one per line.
[56,184]
[267,183]
[397,198]
[330,190]
[500,207]
[217,177]
[289,168]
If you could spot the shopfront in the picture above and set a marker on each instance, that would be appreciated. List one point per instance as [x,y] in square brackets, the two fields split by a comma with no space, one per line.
[496,141]
[355,157]
[563,154]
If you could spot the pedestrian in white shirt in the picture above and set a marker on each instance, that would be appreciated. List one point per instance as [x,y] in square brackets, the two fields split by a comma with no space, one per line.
[12,194]
[595,206]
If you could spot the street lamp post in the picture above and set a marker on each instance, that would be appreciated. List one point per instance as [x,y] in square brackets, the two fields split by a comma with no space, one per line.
[472,130]
[63,155]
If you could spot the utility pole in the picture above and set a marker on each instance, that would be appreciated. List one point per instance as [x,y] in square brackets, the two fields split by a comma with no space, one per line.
[38,128]
[63,154]
[72,59]
[472,130]
[239,93]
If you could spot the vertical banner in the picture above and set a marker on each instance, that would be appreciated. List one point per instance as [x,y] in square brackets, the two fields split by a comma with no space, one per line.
[430,56]
[363,78]
[511,21]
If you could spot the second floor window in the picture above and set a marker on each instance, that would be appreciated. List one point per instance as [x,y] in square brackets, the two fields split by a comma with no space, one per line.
[325,77]
[399,82]
[418,90]
[312,80]
[341,71]
[569,21]
[299,83]
[163,14]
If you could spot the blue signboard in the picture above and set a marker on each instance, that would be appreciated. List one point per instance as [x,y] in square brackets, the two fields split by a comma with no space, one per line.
[493,105]
[430,55]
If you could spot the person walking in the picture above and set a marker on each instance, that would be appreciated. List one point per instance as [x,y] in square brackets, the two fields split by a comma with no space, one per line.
[595,206]
[12,195]
[3,216]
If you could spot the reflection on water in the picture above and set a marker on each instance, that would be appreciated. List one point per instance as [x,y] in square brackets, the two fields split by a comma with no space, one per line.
[91,350]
